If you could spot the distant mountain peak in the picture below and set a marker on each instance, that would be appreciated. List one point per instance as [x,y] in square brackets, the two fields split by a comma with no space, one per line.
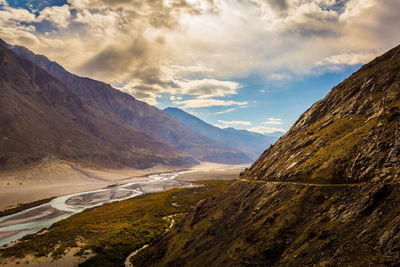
[250,143]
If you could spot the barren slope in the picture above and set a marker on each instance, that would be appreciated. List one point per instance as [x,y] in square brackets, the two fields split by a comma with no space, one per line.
[40,116]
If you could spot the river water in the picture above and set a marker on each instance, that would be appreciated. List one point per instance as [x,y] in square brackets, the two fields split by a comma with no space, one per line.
[30,221]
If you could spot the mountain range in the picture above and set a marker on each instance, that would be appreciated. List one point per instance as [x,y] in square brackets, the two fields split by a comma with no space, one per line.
[251,143]
[326,194]
[40,116]
[91,122]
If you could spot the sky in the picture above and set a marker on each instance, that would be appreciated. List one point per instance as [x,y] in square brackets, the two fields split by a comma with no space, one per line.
[247,64]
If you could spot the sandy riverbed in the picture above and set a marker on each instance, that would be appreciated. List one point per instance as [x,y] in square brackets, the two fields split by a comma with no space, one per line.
[56,178]
[52,178]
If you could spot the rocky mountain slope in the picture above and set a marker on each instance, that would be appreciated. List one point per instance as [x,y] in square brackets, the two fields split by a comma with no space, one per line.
[117,105]
[40,116]
[252,144]
[326,194]
[351,135]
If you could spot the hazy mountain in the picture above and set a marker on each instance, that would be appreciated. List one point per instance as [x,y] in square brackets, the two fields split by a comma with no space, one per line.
[117,105]
[40,116]
[326,194]
[253,144]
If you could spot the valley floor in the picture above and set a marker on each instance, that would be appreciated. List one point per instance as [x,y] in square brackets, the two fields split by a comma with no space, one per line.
[53,178]
[107,235]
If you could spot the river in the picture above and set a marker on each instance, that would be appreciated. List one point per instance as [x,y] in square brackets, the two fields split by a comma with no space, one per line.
[30,221]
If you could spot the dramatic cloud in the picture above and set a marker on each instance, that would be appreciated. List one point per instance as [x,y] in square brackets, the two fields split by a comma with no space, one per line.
[200,49]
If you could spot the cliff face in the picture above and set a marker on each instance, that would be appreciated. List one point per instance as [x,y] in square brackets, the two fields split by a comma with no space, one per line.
[327,193]
[40,116]
[119,106]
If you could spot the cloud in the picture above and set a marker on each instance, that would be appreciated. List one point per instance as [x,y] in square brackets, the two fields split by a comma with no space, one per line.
[148,96]
[58,15]
[200,88]
[277,44]
[220,126]
[280,5]
[15,15]
[192,48]
[265,129]
[206,88]
[235,123]
[225,111]
[273,121]
[206,102]
[257,129]
[346,59]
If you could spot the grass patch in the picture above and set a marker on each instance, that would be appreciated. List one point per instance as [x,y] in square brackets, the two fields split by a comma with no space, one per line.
[114,230]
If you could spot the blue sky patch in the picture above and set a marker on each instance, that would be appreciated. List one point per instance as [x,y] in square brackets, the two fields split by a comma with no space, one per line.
[35,5]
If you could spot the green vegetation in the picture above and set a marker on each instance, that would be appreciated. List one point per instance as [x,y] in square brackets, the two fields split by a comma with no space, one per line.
[111,232]
[340,139]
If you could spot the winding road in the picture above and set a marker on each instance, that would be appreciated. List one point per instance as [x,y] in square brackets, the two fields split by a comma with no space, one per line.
[300,183]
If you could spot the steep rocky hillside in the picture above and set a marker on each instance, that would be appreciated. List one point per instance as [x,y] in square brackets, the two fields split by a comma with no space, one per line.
[351,135]
[117,105]
[252,144]
[326,194]
[40,116]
